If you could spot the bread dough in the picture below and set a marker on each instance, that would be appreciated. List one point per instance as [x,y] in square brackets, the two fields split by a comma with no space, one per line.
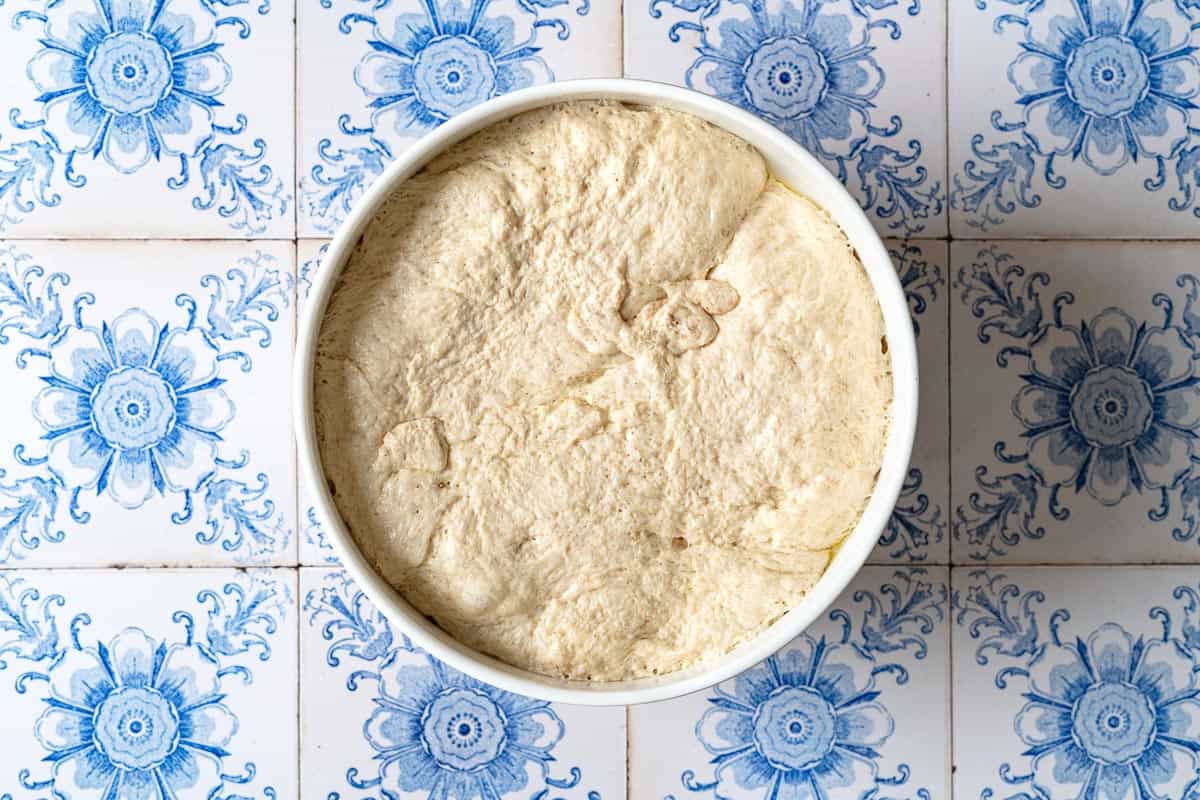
[598,394]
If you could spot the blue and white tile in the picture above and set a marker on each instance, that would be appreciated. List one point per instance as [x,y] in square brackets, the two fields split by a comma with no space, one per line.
[147,119]
[1076,402]
[372,705]
[376,76]
[314,547]
[1076,682]
[142,388]
[857,706]
[130,683]
[918,527]
[1074,119]
[859,83]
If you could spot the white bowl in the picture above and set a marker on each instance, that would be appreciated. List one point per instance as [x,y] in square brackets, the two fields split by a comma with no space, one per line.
[786,160]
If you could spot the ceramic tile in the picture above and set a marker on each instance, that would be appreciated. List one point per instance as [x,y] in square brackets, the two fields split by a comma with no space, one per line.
[142,388]
[178,124]
[917,529]
[857,706]
[127,679]
[1070,682]
[1075,402]
[371,703]
[360,105]
[876,118]
[1073,119]
[314,547]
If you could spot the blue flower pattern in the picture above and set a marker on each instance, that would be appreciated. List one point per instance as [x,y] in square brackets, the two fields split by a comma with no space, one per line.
[133,408]
[1102,82]
[811,721]
[809,68]
[433,730]
[1105,714]
[800,723]
[419,70]
[130,82]
[137,716]
[1110,405]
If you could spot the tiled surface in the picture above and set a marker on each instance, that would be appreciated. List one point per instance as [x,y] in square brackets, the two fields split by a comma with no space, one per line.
[918,528]
[1075,402]
[877,119]
[196,329]
[356,107]
[1073,119]
[96,682]
[180,126]
[1053,464]
[855,698]
[1051,676]
[366,693]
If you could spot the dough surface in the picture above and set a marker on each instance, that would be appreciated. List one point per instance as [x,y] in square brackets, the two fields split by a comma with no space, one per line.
[599,395]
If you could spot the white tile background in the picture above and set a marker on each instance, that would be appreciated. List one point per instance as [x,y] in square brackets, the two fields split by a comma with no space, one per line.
[944,67]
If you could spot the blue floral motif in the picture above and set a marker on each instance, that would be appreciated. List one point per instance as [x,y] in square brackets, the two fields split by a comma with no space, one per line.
[1107,715]
[990,614]
[808,721]
[421,70]
[28,629]
[1105,82]
[135,83]
[801,723]
[438,731]
[137,717]
[244,615]
[434,730]
[29,301]
[314,534]
[128,83]
[134,408]
[1110,405]
[350,622]
[1115,713]
[919,278]
[915,521]
[808,68]
[425,68]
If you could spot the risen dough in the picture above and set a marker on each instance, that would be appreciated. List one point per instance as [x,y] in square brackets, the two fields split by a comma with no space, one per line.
[599,395]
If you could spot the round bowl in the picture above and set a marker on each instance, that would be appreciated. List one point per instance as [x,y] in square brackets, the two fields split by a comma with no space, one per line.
[787,161]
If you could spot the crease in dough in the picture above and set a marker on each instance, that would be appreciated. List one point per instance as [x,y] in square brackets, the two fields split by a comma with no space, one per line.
[598,394]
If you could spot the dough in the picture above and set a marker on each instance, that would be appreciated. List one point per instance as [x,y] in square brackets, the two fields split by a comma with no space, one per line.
[599,395]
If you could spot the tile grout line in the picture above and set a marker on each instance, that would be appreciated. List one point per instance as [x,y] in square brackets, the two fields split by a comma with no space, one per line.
[296,505]
[299,666]
[950,682]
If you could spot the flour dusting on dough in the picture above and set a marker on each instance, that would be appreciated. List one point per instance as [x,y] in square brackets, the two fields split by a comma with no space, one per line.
[599,395]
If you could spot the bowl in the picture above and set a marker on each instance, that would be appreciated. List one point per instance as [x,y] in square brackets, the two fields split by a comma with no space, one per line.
[787,161]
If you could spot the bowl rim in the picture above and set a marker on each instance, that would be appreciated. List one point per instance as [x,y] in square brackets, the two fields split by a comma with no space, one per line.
[783,155]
